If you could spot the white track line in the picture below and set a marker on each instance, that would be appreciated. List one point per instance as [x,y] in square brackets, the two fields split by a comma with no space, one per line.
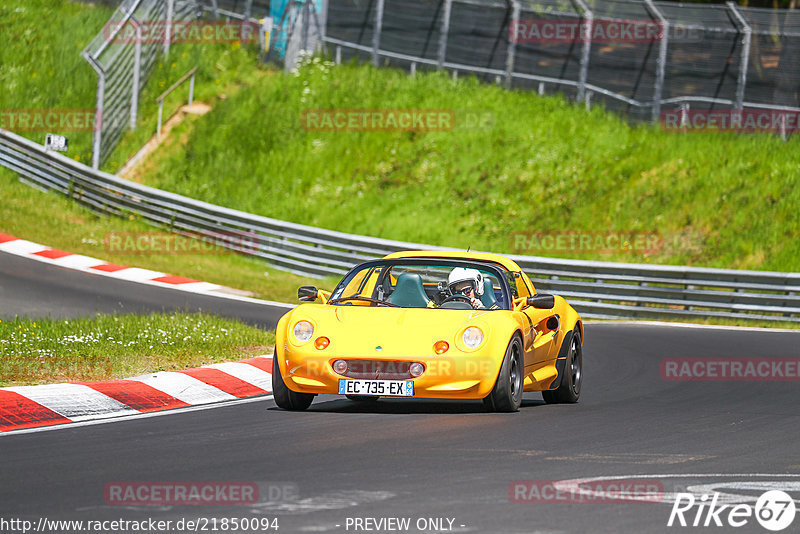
[693,325]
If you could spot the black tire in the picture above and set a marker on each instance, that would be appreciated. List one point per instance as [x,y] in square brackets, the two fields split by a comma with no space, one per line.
[362,398]
[569,390]
[284,397]
[506,396]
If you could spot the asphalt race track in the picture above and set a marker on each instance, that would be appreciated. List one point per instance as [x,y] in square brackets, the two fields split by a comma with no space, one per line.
[36,289]
[413,458]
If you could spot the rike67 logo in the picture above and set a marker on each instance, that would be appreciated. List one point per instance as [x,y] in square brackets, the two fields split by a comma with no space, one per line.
[774,510]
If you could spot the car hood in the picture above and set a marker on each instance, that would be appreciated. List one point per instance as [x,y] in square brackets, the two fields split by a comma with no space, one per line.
[387,332]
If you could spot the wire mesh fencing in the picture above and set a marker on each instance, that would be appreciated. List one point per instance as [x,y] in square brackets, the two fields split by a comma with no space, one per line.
[123,55]
[639,57]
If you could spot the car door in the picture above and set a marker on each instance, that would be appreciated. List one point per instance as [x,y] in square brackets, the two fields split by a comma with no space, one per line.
[540,346]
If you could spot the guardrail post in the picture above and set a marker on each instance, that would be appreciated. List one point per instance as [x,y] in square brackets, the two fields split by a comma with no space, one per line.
[137,67]
[512,42]
[376,35]
[191,89]
[160,115]
[745,57]
[661,62]
[583,73]
[444,32]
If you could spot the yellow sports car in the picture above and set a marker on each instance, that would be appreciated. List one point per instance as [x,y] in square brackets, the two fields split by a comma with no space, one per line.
[423,324]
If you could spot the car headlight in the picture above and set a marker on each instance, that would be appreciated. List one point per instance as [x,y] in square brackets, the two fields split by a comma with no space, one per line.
[303,331]
[472,337]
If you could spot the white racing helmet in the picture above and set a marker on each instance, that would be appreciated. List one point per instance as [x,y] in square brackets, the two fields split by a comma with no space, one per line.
[460,274]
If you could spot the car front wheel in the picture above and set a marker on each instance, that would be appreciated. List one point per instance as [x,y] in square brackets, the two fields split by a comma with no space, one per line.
[506,396]
[284,397]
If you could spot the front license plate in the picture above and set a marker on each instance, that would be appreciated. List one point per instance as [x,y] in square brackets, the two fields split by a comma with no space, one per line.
[387,388]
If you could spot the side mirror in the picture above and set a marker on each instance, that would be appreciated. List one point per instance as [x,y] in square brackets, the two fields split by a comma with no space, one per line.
[542,301]
[307,293]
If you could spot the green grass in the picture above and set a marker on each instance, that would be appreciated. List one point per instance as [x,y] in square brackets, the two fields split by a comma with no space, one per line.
[545,165]
[41,69]
[119,346]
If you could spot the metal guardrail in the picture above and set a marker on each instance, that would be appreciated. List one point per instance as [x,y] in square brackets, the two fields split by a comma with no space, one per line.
[595,289]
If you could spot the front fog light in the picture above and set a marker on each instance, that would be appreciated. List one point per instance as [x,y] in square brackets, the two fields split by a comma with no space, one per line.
[473,337]
[416,369]
[340,366]
[303,331]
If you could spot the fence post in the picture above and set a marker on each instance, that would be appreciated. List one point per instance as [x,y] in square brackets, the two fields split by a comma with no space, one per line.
[745,58]
[98,118]
[443,33]
[168,32]
[304,13]
[248,8]
[661,62]
[512,42]
[376,35]
[583,74]
[137,67]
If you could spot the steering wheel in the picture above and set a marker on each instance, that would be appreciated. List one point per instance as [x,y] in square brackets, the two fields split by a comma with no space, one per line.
[457,296]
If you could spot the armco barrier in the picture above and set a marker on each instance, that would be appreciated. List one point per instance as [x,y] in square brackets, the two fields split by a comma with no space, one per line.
[596,289]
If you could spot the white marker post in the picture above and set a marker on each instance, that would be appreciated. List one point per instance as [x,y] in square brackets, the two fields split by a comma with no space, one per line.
[56,143]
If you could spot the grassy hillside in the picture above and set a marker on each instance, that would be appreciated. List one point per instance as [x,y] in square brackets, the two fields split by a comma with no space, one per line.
[41,69]
[545,164]
[541,165]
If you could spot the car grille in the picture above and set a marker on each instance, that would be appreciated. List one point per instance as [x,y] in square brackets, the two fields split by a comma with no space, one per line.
[378,369]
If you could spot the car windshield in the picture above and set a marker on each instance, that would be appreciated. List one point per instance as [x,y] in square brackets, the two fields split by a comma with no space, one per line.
[422,283]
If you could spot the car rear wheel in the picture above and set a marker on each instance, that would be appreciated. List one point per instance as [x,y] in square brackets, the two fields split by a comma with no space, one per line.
[507,393]
[284,397]
[569,390]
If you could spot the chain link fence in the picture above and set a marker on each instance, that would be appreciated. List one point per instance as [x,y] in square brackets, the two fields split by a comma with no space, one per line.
[123,59]
[696,56]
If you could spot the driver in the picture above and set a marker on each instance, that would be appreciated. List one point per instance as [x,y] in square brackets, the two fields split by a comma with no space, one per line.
[469,283]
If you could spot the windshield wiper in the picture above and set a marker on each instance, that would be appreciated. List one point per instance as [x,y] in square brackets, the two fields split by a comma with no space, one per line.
[364,299]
